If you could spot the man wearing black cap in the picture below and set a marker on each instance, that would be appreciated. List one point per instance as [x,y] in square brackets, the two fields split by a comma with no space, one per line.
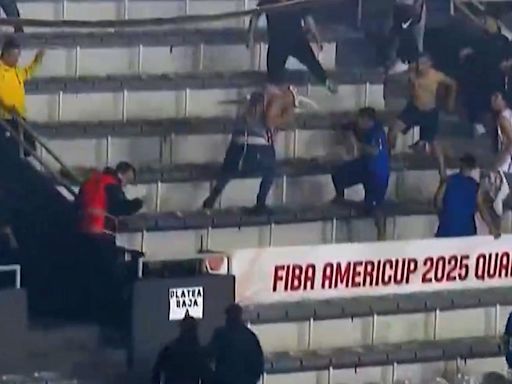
[251,150]
[236,351]
[458,199]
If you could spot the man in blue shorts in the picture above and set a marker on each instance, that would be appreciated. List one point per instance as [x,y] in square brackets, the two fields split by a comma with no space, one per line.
[371,168]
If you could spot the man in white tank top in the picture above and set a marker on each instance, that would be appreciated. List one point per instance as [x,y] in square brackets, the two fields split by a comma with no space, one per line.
[503,162]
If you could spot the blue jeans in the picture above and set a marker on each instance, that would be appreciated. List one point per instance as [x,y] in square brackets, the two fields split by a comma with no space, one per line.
[246,160]
[356,172]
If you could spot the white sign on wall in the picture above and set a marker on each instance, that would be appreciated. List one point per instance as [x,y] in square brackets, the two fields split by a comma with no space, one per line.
[269,275]
[186,300]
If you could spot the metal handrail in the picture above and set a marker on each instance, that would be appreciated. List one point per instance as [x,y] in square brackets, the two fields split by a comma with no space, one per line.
[462,7]
[24,147]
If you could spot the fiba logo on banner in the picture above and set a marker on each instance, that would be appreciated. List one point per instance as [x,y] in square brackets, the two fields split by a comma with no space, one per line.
[185,301]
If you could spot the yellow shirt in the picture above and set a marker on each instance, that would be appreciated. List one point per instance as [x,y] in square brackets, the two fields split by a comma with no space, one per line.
[12,87]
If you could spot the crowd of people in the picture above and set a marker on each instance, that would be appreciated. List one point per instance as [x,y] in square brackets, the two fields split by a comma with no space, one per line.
[481,85]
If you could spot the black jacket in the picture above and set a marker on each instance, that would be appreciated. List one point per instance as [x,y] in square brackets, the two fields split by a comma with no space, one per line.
[237,354]
[117,202]
[183,361]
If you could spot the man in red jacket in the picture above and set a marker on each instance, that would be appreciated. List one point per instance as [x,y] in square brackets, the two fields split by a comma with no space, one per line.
[101,199]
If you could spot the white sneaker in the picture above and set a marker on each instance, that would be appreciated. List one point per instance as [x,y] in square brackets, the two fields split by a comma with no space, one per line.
[398,67]
[479,129]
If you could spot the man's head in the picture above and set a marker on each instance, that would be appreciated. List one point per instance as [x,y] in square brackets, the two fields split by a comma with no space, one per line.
[11,50]
[234,315]
[366,118]
[424,62]
[256,104]
[126,173]
[498,102]
[188,326]
[468,164]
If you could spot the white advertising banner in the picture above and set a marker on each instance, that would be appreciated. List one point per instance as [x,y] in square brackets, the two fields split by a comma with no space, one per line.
[269,275]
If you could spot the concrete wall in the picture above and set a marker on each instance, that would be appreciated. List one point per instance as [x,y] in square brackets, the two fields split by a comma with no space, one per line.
[414,373]
[391,329]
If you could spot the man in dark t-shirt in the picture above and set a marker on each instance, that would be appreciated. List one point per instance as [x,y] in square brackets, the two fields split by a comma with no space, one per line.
[287,36]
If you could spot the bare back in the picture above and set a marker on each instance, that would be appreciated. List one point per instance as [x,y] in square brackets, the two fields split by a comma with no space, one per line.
[279,107]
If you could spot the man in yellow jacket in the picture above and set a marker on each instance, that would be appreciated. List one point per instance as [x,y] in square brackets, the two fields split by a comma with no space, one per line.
[12,85]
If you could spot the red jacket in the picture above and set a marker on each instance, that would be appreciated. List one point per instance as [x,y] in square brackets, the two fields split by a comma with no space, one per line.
[93,204]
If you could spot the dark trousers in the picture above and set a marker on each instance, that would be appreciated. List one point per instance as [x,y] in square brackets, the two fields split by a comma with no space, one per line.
[104,279]
[300,48]
[11,11]
[246,160]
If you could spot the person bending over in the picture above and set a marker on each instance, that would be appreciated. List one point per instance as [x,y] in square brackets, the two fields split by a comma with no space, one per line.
[421,110]
[288,37]
[252,143]
[371,168]
[457,200]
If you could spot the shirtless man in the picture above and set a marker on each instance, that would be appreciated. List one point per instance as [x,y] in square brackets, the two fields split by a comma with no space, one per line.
[252,143]
[503,162]
[421,110]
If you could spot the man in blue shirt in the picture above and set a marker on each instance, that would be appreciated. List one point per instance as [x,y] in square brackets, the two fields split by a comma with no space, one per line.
[371,168]
[458,199]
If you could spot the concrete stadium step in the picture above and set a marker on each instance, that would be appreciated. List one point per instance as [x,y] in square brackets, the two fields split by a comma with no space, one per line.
[157,60]
[374,320]
[313,137]
[74,350]
[182,95]
[175,37]
[219,80]
[304,181]
[231,229]
[384,355]
[185,125]
[296,167]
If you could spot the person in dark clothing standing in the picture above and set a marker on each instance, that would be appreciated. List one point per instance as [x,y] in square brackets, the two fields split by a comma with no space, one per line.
[183,361]
[101,200]
[288,37]
[482,69]
[236,351]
